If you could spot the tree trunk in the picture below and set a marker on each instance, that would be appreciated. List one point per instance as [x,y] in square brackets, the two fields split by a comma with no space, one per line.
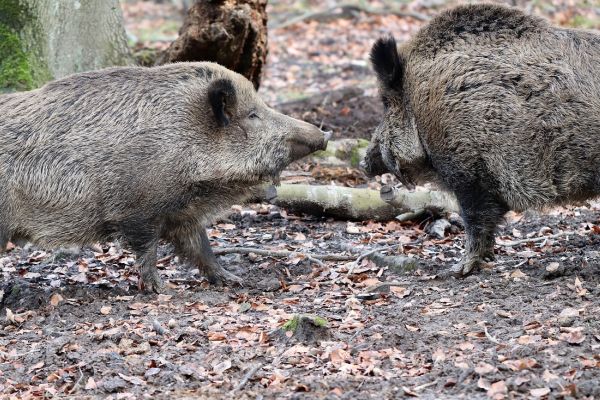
[41,40]
[232,33]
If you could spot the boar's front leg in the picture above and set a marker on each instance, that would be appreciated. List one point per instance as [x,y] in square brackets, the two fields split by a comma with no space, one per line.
[193,244]
[481,213]
[149,278]
[144,242]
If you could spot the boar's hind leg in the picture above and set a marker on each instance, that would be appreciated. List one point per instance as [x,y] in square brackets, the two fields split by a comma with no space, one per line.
[481,214]
[194,246]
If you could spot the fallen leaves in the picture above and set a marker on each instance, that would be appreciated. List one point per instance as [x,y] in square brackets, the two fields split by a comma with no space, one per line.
[572,335]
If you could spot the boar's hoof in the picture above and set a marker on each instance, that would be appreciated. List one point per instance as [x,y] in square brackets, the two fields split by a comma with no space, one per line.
[149,281]
[219,275]
[464,268]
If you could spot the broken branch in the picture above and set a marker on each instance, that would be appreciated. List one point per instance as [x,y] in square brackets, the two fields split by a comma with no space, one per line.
[534,239]
[280,253]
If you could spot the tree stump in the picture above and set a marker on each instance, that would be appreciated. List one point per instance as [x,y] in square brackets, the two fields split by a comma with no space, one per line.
[232,33]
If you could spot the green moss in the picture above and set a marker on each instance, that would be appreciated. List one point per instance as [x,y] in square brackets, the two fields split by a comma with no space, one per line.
[10,13]
[15,67]
[355,154]
[292,324]
[323,154]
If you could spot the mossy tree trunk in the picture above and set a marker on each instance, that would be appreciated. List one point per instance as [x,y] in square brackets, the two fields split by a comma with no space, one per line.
[41,40]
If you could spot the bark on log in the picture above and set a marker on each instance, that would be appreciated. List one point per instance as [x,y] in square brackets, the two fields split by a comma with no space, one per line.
[415,201]
[232,33]
[41,40]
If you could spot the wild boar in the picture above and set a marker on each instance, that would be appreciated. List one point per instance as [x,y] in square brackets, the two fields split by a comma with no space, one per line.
[142,154]
[497,106]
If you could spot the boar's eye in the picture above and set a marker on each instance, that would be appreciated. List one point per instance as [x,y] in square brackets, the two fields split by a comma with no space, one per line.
[253,115]
[386,102]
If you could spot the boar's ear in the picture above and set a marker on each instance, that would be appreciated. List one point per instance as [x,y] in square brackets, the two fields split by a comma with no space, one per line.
[222,98]
[386,62]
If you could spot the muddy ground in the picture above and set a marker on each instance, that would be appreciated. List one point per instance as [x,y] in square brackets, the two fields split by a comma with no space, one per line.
[527,326]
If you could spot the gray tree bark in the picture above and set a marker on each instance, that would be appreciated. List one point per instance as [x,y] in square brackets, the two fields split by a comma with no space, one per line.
[49,39]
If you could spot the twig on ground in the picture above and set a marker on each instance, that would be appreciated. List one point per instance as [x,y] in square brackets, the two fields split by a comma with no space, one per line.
[158,327]
[346,9]
[380,249]
[424,386]
[534,239]
[282,253]
[247,377]
[74,388]
[367,254]
[384,286]
[490,337]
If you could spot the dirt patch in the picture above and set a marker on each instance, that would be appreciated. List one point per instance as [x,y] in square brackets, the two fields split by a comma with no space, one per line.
[510,329]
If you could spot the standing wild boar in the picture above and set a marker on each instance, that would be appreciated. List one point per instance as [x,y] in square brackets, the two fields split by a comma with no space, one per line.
[497,106]
[140,153]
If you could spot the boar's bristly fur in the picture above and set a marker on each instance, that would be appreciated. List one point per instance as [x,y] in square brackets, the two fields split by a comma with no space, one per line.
[139,153]
[497,106]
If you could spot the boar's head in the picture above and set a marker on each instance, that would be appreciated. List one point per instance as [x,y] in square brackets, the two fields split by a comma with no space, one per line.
[248,141]
[395,145]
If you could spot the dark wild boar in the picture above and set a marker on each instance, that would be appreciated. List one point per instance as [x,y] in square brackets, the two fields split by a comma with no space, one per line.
[499,107]
[140,153]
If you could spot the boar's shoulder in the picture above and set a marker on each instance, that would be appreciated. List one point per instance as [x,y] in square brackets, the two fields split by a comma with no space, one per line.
[475,23]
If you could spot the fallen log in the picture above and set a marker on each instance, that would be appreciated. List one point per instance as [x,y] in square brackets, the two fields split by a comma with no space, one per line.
[356,204]
[334,201]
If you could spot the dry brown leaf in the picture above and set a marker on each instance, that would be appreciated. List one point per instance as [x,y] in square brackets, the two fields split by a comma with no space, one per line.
[222,366]
[574,336]
[105,310]
[484,368]
[438,355]
[484,384]
[497,390]
[539,392]
[548,376]
[521,364]
[216,336]
[338,356]
[136,380]
[91,384]
[517,275]
[55,299]
[35,367]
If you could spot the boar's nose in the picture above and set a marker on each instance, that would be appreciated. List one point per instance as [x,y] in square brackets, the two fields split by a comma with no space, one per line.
[308,141]
[373,163]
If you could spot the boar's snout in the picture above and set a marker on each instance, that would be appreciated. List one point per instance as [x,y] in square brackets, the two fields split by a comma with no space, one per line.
[307,141]
[373,163]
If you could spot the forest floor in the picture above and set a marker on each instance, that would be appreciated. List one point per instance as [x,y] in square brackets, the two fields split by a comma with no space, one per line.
[526,326]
